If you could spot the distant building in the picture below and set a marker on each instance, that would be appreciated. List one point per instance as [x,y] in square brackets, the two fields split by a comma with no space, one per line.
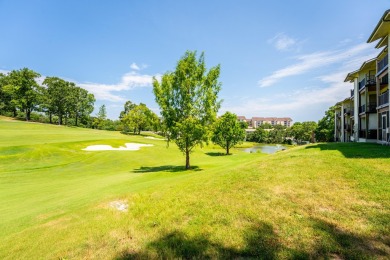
[255,122]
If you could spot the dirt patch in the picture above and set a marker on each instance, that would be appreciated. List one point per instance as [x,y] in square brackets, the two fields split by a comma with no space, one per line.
[127,147]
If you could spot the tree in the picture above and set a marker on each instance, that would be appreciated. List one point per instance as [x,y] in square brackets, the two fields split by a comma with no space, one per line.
[228,131]
[303,131]
[325,129]
[101,117]
[127,108]
[82,103]
[139,118]
[188,101]
[23,90]
[57,97]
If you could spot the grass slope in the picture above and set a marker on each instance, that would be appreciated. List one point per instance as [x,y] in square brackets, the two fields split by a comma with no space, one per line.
[317,201]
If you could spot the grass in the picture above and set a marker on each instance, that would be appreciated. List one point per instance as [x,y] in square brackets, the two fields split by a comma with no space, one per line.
[315,201]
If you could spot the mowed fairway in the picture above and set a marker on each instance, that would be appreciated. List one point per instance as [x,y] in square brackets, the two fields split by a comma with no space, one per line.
[316,201]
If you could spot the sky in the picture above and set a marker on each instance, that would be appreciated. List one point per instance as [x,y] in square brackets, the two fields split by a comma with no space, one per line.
[279,58]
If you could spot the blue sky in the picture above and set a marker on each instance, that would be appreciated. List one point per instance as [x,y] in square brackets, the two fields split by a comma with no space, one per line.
[278,58]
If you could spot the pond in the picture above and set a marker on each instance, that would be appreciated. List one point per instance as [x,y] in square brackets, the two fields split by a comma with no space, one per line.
[265,149]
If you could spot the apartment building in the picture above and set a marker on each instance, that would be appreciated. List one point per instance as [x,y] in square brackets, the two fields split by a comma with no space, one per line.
[255,122]
[364,116]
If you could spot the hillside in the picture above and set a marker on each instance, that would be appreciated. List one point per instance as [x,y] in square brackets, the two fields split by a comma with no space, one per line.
[58,201]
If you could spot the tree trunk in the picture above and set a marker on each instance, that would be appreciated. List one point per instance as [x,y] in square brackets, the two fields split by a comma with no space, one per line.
[14,112]
[187,159]
[227,148]
[28,114]
[50,117]
[76,119]
[60,119]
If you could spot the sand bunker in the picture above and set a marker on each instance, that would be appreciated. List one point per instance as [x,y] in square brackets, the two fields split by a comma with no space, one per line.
[127,147]
[154,138]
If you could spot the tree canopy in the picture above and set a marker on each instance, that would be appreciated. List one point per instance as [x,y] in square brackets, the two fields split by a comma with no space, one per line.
[188,99]
[228,131]
[325,129]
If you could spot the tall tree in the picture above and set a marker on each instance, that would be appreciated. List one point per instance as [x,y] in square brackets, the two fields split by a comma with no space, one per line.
[127,108]
[188,101]
[81,103]
[325,129]
[57,97]
[23,90]
[228,131]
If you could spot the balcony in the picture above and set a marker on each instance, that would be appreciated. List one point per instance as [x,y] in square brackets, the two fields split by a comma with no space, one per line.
[362,109]
[370,108]
[382,64]
[347,111]
[368,80]
[385,80]
[384,98]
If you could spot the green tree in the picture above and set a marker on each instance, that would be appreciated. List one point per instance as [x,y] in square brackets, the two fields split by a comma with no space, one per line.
[303,131]
[259,135]
[188,101]
[82,103]
[325,129]
[228,131]
[140,118]
[23,90]
[127,108]
[57,97]
[101,117]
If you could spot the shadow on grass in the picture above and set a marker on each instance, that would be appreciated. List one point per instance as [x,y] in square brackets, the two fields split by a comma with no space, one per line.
[356,150]
[261,242]
[337,243]
[217,154]
[166,168]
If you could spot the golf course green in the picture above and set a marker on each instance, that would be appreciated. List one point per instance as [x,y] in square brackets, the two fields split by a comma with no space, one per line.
[58,201]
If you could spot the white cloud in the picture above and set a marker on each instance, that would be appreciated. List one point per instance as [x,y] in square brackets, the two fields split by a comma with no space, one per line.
[128,81]
[316,60]
[134,66]
[282,42]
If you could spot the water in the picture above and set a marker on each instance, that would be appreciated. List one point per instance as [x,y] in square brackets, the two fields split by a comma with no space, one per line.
[265,149]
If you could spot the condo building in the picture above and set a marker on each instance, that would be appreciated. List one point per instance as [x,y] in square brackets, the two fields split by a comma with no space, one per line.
[364,116]
[255,122]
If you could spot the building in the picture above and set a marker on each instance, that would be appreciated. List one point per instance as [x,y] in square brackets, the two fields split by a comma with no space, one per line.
[255,122]
[364,116]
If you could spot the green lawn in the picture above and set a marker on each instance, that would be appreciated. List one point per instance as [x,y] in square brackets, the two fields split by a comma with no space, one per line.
[316,201]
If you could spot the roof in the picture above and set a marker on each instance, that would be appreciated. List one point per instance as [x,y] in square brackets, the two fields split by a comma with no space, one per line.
[272,119]
[369,64]
[382,28]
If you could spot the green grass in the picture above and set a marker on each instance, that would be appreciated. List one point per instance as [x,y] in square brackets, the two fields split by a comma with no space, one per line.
[316,201]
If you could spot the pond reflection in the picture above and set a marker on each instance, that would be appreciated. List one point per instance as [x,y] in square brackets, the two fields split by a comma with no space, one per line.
[269,149]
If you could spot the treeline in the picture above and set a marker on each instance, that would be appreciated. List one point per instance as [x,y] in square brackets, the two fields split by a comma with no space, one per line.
[300,132]
[57,101]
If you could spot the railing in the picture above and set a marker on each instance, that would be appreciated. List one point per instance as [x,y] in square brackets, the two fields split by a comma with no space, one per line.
[368,80]
[383,63]
[362,109]
[347,111]
[385,80]
[384,98]
[371,108]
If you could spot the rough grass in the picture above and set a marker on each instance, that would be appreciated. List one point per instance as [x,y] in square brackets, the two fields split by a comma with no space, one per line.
[316,201]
